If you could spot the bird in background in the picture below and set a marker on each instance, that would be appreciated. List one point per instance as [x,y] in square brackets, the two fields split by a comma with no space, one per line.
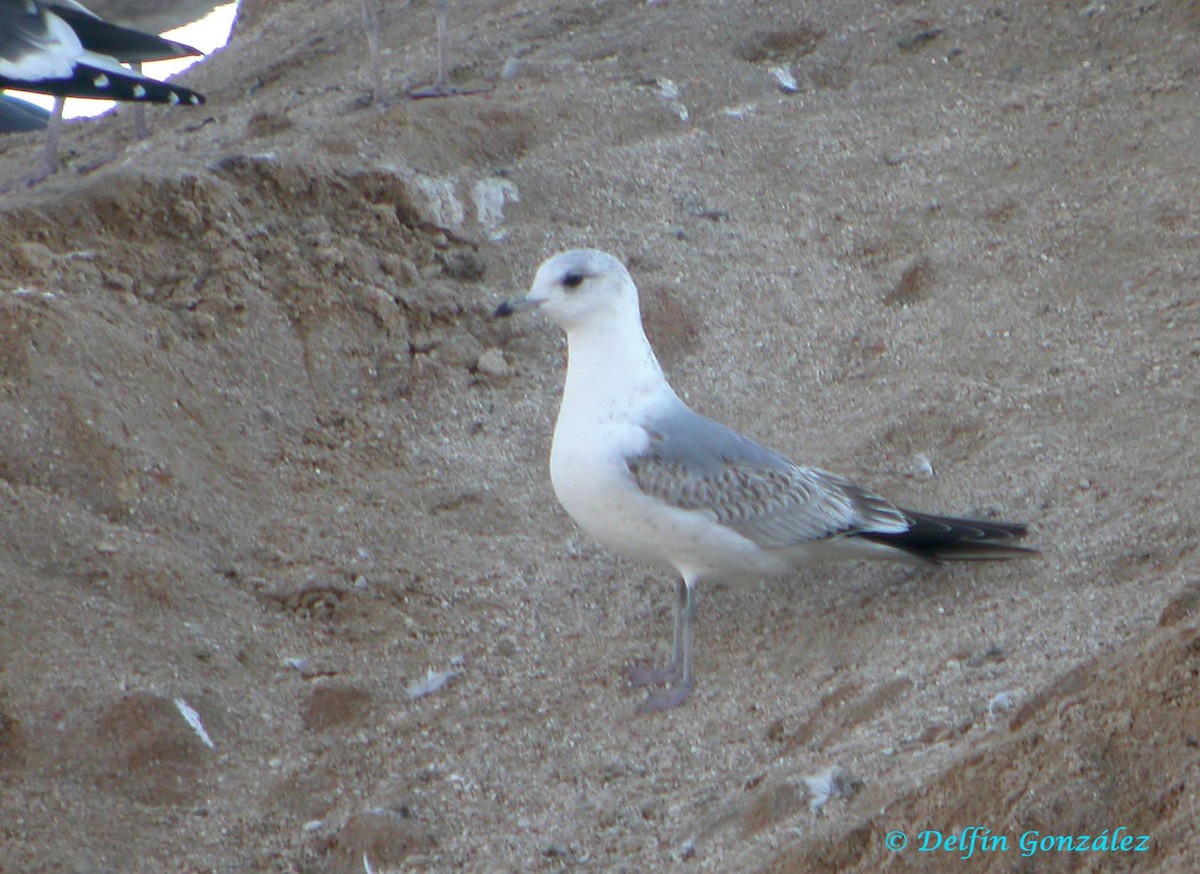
[64,50]
[653,480]
[19,116]
[441,86]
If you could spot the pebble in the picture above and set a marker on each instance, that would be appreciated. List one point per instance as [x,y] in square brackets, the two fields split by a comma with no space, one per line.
[491,362]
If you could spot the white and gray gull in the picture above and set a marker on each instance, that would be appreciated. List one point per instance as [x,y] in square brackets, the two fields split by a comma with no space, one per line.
[652,480]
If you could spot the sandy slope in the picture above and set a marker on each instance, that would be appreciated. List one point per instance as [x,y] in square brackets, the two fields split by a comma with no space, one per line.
[262,449]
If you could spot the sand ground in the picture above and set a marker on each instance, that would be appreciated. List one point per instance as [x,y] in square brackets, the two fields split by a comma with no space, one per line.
[263,451]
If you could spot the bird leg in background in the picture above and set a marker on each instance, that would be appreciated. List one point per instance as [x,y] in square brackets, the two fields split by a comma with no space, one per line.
[441,86]
[49,162]
[440,13]
[371,24]
[140,130]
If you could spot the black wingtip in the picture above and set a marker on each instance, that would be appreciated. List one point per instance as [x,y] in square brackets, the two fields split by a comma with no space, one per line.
[945,538]
[505,309]
[93,82]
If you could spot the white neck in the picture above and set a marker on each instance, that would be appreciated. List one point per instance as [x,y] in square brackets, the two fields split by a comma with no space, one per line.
[611,368]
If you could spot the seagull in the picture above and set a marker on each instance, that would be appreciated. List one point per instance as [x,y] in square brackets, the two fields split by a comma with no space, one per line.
[64,50]
[652,480]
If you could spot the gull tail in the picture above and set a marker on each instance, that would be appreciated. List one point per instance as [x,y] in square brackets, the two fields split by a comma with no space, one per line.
[944,538]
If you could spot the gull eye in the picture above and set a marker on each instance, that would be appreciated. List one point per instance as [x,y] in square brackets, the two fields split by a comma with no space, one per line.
[573,279]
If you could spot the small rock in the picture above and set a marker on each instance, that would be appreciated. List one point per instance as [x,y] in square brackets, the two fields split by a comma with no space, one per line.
[685,851]
[513,69]
[383,308]
[433,681]
[400,268]
[1001,702]
[117,280]
[908,43]
[31,257]
[940,732]
[833,782]
[197,325]
[786,81]
[105,546]
[990,654]
[490,196]
[922,468]
[914,283]
[435,201]
[491,362]
[464,265]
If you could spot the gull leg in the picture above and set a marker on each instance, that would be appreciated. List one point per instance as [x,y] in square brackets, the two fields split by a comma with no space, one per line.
[644,675]
[140,130]
[681,660]
[441,13]
[371,25]
[441,86]
[49,164]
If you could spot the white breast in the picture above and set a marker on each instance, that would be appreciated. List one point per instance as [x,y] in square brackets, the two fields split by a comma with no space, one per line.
[594,486]
[613,383]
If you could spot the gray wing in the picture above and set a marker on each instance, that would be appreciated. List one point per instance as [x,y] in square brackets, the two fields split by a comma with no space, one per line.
[695,463]
[123,43]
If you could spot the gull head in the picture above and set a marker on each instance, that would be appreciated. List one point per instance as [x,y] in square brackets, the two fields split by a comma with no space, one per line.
[576,287]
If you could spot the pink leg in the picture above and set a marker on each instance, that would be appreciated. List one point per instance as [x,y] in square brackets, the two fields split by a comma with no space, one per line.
[371,24]
[140,130]
[441,86]
[49,164]
[679,673]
